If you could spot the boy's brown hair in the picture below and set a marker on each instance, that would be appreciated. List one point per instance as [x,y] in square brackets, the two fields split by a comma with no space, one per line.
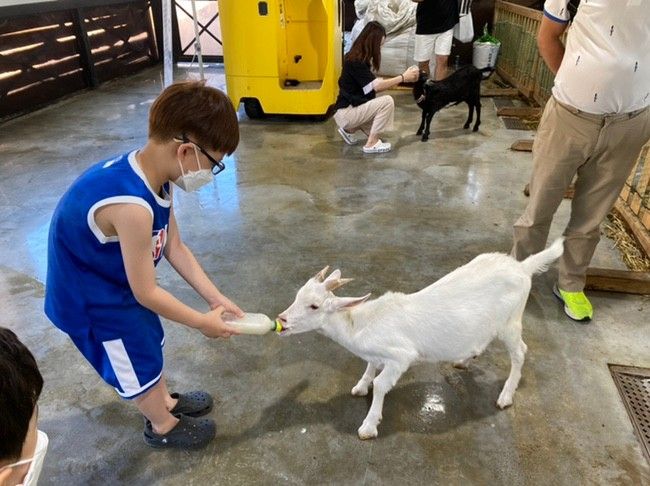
[202,113]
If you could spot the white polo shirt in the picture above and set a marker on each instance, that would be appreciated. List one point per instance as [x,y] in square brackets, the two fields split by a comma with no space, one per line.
[606,65]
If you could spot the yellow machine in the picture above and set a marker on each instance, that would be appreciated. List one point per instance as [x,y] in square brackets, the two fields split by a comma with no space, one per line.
[282,56]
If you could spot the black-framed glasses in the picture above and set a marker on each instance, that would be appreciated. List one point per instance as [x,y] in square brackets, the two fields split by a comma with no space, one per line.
[217,165]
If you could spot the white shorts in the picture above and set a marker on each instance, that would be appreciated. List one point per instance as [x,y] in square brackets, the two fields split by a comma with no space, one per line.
[438,43]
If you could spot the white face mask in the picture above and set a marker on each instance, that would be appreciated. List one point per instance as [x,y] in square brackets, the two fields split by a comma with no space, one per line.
[193,180]
[36,462]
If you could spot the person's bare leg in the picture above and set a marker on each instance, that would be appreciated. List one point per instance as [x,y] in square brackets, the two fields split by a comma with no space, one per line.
[170,402]
[441,67]
[373,138]
[424,67]
[153,405]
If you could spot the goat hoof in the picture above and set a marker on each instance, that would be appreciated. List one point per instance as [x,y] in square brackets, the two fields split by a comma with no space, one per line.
[367,432]
[504,402]
[424,139]
[419,132]
[359,391]
[466,126]
[475,129]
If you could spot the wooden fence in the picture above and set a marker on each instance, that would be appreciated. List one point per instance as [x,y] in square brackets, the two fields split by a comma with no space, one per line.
[634,201]
[52,49]
[521,65]
[516,27]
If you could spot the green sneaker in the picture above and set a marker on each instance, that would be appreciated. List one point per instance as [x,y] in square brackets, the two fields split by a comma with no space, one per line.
[576,304]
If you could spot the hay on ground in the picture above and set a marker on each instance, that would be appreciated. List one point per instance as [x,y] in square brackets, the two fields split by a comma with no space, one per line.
[633,254]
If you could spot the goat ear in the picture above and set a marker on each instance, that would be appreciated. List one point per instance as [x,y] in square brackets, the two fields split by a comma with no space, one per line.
[335,284]
[320,276]
[339,303]
[335,275]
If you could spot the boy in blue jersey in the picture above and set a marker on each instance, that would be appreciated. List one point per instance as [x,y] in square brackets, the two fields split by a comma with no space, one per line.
[109,231]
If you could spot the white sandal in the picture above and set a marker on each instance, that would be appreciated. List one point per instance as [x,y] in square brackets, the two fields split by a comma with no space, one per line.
[349,138]
[378,148]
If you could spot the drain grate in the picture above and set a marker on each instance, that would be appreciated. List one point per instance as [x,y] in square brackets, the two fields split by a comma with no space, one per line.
[503,102]
[634,386]
[513,123]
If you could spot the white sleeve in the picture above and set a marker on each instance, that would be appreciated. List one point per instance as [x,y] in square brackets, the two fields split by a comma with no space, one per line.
[557,10]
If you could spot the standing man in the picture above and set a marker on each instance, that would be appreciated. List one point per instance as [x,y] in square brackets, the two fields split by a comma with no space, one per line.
[435,20]
[593,127]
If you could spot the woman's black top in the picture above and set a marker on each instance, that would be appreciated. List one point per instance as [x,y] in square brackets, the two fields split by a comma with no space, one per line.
[355,84]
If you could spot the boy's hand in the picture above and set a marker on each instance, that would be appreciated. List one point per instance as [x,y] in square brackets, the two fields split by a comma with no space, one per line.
[213,325]
[228,305]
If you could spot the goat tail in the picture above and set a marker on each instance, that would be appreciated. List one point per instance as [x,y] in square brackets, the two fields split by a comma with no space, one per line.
[539,262]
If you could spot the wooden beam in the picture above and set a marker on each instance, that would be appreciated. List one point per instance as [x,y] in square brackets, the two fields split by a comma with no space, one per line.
[38,8]
[519,111]
[148,12]
[86,58]
[526,92]
[522,146]
[520,10]
[495,92]
[625,281]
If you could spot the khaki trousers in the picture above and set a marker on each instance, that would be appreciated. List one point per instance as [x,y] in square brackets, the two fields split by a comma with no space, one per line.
[601,151]
[374,116]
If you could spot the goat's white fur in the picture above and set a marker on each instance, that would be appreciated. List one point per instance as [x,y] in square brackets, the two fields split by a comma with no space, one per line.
[453,319]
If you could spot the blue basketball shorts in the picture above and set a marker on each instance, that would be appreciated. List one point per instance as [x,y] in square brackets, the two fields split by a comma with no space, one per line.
[125,348]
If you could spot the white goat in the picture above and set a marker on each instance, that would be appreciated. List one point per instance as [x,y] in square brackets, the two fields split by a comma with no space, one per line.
[453,319]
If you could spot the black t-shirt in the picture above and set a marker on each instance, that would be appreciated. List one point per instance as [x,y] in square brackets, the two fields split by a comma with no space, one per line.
[436,16]
[355,84]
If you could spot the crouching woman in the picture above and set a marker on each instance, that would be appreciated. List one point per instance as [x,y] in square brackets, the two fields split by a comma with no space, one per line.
[358,109]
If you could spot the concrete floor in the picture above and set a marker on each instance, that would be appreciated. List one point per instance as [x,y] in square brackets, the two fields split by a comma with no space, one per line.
[293,199]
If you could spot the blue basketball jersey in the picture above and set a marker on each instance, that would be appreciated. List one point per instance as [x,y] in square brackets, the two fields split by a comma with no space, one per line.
[86,278]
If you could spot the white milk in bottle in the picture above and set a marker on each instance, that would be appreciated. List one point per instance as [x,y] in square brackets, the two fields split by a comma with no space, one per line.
[253,323]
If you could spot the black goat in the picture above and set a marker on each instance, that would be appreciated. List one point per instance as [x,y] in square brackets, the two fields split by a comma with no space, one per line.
[462,85]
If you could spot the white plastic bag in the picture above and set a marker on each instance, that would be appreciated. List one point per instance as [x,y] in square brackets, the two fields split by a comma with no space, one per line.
[486,50]
[464,29]
[394,15]
[485,54]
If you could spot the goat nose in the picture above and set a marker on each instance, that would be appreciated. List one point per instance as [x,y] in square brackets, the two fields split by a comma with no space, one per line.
[282,318]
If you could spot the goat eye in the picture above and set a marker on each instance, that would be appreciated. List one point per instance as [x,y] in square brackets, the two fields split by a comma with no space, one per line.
[313,306]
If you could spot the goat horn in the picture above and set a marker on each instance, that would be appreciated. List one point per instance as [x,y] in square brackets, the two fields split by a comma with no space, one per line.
[335,284]
[320,276]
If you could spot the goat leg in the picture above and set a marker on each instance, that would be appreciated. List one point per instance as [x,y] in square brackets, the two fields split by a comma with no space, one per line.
[517,351]
[470,116]
[425,135]
[419,132]
[361,388]
[478,116]
[382,384]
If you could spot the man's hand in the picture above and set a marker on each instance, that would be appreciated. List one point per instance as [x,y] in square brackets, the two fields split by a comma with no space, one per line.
[213,325]
[412,74]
